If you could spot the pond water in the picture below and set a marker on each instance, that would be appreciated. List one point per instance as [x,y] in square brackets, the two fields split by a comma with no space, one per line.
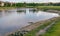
[11,20]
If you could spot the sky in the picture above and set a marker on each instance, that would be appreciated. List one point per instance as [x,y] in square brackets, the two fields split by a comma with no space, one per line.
[29,1]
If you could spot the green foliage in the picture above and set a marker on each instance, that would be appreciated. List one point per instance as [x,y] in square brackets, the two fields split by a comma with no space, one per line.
[20,5]
[7,4]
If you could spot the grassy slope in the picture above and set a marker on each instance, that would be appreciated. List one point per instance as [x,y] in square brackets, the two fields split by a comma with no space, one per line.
[54,31]
[33,32]
[49,7]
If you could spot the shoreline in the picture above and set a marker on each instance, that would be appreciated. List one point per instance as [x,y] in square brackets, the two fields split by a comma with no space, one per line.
[34,25]
[42,9]
[53,11]
[7,8]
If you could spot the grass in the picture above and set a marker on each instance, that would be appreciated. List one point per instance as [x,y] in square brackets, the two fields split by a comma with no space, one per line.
[33,32]
[38,7]
[48,7]
[54,30]
[7,8]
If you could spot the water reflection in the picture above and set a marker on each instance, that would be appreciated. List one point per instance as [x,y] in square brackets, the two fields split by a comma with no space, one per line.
[11,20]
[29,10]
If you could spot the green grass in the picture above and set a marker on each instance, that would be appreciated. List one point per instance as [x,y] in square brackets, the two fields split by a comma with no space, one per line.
[48,7]
[33,32]
[54,30]
[39,7]
[7,8]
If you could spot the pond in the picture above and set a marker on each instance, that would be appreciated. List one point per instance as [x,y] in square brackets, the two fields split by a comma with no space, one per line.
[13,19]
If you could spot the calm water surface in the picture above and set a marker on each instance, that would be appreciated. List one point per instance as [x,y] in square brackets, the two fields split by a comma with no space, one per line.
[11,20]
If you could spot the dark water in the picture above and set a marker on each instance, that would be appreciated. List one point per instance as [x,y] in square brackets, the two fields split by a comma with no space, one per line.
[11,20]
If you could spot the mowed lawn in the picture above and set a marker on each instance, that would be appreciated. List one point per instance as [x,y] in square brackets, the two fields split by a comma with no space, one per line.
[49,7]
[53,31]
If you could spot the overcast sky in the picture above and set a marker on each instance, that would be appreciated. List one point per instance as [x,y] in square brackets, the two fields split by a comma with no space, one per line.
[28,1]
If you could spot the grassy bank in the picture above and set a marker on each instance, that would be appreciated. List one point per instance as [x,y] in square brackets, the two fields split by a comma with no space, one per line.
[33,32]
[54,30]
[7,8]
[48,7]
[38,7]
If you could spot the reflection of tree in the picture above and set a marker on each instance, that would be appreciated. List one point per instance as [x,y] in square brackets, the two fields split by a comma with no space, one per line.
[34,10]
[20,11]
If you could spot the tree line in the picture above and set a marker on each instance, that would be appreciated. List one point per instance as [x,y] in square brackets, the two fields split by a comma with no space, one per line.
[30,4]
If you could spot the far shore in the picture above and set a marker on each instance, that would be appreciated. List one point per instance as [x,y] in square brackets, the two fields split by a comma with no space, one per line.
[5,8]
[52,9]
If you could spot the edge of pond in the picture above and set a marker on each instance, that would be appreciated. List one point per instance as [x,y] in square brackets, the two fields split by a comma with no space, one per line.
[29,27]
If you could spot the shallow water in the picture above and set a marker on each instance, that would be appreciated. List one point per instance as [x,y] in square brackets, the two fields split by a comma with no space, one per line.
[11,20]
